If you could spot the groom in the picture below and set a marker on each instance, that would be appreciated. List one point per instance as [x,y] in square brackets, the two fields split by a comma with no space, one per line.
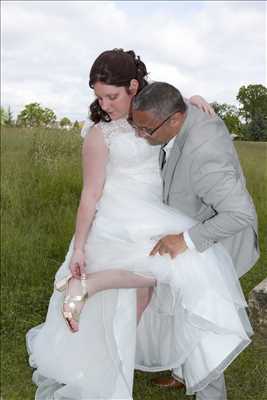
[202,177]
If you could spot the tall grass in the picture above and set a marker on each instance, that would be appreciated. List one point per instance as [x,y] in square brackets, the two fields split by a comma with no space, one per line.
[253,157]
[41,183]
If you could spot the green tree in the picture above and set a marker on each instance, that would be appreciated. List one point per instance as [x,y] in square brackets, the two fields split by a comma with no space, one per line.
[3,116]
[33,115]
[76,125]
[49,117]
[230,115]
[10,120]
[256,129]
[64,122]
[253,100]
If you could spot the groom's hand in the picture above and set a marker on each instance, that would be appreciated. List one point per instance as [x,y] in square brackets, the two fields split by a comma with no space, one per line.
[170,244]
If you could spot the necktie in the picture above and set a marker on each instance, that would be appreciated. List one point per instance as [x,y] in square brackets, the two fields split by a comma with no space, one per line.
[162,157]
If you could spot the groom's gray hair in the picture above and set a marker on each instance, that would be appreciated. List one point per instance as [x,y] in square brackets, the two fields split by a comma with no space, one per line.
[160,98]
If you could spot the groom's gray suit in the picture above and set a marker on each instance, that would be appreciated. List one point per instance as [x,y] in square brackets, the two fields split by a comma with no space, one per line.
[203,178]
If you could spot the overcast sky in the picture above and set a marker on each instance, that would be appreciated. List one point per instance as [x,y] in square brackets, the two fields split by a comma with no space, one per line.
[202,47]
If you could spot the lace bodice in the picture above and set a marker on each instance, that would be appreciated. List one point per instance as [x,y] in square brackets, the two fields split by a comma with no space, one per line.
[127,151]
[112,128]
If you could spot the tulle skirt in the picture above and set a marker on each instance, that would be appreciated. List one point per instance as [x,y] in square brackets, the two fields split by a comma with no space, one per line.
[196,321]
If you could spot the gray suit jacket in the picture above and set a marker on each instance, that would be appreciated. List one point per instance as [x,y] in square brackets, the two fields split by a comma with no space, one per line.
[203,178]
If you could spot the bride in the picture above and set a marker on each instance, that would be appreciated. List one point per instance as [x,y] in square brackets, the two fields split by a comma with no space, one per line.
[88,346]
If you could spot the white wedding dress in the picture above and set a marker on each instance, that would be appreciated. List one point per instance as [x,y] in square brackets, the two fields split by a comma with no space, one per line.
[196,320]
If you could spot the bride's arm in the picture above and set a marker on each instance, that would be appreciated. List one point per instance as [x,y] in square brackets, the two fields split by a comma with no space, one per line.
[201,103]
[94,159]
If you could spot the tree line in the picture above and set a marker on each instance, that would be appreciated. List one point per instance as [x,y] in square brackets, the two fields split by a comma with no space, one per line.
[247,122]
[34,115]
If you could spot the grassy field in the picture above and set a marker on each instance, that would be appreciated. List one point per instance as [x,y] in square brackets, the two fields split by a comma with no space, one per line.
[41,183]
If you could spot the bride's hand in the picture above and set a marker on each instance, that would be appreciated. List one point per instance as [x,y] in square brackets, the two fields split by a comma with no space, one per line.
[77,264]
[202,104]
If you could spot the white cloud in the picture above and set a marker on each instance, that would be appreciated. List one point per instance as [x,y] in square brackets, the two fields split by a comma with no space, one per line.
[211,48]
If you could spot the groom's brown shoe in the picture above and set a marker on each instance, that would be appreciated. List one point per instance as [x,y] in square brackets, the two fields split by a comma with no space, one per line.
[167,382]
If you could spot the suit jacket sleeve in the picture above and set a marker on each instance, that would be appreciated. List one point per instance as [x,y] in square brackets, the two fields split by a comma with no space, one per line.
[218,181]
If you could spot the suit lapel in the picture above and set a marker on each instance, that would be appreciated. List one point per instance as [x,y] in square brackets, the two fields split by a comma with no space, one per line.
[175,154]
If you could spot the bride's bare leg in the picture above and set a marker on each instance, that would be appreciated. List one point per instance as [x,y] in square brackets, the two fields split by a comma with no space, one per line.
[109,279]
[117,279]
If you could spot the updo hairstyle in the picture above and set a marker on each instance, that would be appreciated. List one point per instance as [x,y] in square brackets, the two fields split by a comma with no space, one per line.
[115,67]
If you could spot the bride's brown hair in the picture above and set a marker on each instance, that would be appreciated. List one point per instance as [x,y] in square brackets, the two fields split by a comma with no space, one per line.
[115,67]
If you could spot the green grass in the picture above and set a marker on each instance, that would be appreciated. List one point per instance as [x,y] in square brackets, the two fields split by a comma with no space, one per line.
[41,183]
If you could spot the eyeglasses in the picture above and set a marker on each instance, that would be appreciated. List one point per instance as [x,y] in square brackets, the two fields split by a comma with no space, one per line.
[150,131]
